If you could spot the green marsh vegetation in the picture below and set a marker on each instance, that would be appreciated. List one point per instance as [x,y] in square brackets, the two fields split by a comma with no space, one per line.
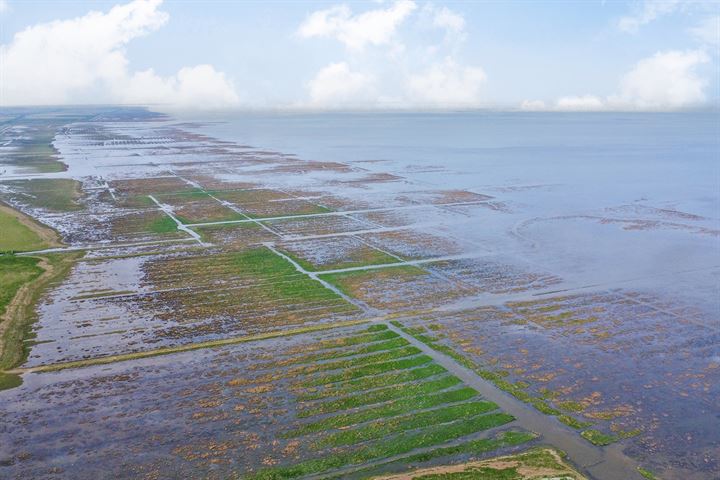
[381,428]
[347,282]
[373,405]
[17,233]
[22,282]
[54,195]
[387,409]
[384,380]
[646,473]
[597,437]
[518,390]
[381,395]
[396,445]
[480,446]
[164,224]
[14,273]
[359,256]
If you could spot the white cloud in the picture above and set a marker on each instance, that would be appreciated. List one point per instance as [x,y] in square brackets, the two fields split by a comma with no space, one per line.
[708,31]
[533,106]
[449,20]
[200,86]
[82,60]
[4,7]
[420,73]
[648,11]
[665,80]
[336,85]
[374,27]
[446,84]
[580,103]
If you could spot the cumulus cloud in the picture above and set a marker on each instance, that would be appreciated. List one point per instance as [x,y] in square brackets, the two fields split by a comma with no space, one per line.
[665,81]
[449,20]
[396,76]
[336,85]
[200,86]
[447,84]
[374,27]
[82,60]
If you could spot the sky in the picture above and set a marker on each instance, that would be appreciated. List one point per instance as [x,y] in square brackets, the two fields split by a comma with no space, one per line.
[400,54]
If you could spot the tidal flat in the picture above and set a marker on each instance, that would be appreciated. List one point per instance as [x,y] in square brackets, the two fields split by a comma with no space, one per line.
[271,296]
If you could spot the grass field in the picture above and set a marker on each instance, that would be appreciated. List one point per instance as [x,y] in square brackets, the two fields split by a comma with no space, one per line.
[14,273]
[22,281]
[52,194]
[16,235]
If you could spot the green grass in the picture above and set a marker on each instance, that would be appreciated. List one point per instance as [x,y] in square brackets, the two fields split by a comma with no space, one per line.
[646,473]
[136,201]
[472,447]
[353,386]
[334,345]
[50,167]
[397,445]
[55,195]
[571,406]
[391,344]
[311,210]
[598,438]
[573,422]
[390,409]
[163,224]
[8,381]
[206,231]
[182,196]
[381,428]
[263,263]
[378,396]
[339,279]
[25,270]
[515,389]
[14,273]
[372,257]
[405,351]
[16,236]
[370,370]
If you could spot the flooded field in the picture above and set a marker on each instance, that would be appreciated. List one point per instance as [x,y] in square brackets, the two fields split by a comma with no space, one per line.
[285,296]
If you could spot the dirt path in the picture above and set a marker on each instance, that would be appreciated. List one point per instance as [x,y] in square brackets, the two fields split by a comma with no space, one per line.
[499,463]
[17,308]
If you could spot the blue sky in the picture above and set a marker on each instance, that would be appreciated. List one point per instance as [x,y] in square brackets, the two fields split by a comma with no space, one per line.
[554,55]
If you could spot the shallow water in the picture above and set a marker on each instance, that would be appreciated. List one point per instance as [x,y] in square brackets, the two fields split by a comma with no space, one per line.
[608,225]
[596,198]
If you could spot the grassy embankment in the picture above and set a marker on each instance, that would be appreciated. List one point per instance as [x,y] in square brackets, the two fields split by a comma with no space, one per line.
[534,464]
[22,280]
